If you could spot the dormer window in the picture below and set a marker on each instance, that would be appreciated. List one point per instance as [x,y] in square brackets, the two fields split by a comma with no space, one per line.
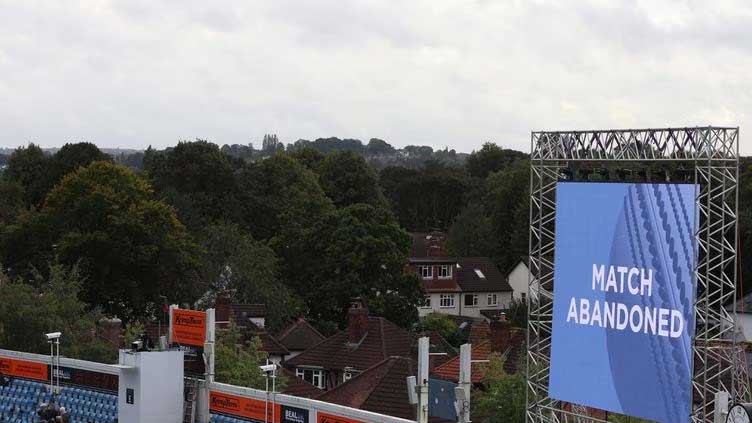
[426,272]
[445,271]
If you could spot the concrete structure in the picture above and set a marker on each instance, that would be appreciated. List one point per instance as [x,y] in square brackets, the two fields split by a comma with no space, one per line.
[150,387]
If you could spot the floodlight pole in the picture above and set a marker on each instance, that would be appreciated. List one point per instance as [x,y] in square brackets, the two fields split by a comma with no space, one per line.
[463,409]
[423,346]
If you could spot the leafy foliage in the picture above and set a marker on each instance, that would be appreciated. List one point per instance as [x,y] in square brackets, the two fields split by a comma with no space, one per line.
[26,314]
[237,362]
[440,323]
[236,263]
[503,400]
[102,218]
[347,179]
[490,159]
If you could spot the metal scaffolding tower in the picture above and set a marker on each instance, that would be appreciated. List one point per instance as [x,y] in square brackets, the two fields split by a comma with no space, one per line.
[707,156]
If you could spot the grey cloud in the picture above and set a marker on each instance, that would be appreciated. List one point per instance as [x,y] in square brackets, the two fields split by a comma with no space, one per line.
[442,73]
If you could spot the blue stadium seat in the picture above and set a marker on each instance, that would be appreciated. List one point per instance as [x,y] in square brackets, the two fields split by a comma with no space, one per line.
[20,400]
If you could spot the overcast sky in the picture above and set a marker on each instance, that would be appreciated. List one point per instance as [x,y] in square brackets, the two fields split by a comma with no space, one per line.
[438,73]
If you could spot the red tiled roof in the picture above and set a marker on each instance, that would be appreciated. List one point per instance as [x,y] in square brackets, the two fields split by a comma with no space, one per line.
[300,336]
[513,356]
[426,245]
[380,389]
[451,369]
[438,345]
[299,387]
[241,312]
[383,339]
[269,343]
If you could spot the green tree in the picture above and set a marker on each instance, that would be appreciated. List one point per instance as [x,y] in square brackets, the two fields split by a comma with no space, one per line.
[29,166]
[280,193]
[425,199]
[471,234]
[26,314]
[507,203]
[70,157]
[237,362]
[196,178]
[503,400]
[517,313]
[376,146]
[491,158]
[249,269]
[441,323]
[130,248]
[347,179]
[356,251]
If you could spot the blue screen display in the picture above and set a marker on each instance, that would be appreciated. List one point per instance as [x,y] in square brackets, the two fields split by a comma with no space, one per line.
[624,290]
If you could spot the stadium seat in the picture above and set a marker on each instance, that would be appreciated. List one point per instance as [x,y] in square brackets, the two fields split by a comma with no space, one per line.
[19,402]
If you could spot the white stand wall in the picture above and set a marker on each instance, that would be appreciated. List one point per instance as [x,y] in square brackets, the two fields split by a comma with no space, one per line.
[156,381]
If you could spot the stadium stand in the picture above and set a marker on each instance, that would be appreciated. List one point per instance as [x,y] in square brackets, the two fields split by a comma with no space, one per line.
[20,400]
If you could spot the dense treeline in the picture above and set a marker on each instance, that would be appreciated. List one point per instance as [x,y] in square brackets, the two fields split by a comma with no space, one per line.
[303,228]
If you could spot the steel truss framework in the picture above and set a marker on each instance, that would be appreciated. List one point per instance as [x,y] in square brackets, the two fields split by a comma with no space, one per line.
[711,153]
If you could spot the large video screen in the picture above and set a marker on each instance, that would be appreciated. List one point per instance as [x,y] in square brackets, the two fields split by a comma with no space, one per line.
[624,290]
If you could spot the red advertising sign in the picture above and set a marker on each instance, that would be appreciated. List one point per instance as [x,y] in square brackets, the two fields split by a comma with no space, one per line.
[21,368]
[188,327]
[331,418]
[243,407]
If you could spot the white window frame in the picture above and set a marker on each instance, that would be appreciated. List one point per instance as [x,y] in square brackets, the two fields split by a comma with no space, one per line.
[474,302]
[447,299]
[493,299]
[445,271]
[317,376]
[425,275]
[426,302]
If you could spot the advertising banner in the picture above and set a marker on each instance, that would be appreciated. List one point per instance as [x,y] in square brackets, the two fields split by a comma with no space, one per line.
[244,407]
[294,414]
[623,298]
[331,418]
[25,369]
[188,327]
[88,378]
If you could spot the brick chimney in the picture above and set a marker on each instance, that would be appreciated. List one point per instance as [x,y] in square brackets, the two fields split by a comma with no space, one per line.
[501,334]
[222,308]
[357,322]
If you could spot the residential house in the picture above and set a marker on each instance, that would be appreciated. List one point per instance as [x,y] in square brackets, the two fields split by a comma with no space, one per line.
[503,340]
[518,278]
[242,313]
[299,336]
[366,342]
[382,389]
[460,286]
[250,320]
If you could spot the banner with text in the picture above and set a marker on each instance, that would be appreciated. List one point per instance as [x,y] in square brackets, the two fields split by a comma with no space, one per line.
[25,369]
[623,298]
[244,407]
[188,327]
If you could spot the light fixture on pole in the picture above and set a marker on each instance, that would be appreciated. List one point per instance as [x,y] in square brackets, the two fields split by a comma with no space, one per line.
[269,369]
[53,339]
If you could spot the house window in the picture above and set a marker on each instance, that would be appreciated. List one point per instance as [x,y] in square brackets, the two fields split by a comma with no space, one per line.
[427,301]
[447,300]
[522,296]
[313,376]
[471,300]
[426,272]
[492,299]
[445,271]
